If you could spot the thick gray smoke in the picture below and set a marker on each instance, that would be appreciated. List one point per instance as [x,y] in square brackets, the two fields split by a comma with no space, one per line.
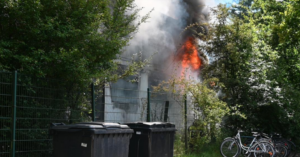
[164,33]
[197,15]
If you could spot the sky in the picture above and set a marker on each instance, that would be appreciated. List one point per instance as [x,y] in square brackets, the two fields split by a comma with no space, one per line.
[223,1]
[213,3]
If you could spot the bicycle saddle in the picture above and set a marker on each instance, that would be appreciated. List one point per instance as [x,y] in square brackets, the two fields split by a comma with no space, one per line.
[255,134]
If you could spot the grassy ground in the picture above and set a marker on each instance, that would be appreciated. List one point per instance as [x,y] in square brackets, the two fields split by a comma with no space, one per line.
[209,150]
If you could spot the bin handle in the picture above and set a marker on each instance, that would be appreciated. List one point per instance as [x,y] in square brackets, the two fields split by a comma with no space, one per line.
[56,124]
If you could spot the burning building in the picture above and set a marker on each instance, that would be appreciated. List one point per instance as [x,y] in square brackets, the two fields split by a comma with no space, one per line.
[176,49]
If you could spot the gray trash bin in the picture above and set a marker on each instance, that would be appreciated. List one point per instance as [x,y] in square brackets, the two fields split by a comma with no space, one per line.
[91,140]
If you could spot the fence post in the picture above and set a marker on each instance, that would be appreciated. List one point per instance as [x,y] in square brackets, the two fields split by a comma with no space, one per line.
[93,101]
[148,106]
[185,123]
[14,114]
[166,111]
[102,107]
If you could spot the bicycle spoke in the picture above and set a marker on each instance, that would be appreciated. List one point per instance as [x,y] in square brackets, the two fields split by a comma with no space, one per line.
[229,148]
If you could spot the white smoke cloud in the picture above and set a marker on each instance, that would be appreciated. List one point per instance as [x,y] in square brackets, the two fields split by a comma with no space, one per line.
[162,31]
[210,4]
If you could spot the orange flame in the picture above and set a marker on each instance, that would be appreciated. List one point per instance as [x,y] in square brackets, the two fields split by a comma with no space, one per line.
[190,54]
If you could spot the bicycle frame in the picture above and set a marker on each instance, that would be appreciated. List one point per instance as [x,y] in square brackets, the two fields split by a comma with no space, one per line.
[245,148]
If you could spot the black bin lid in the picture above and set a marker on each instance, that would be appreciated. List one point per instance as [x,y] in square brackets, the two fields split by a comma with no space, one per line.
[150,125]
[92,127]
[106,125]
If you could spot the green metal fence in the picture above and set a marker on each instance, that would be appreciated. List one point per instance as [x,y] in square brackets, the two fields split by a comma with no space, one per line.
[29,105]
[5,112]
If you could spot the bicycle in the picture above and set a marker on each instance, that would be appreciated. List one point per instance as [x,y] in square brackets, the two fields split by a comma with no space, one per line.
[280,149]
[232,147]
[287,143]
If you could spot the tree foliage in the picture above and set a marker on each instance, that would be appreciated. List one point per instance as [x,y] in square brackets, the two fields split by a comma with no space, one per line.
[254,53]
[74,42]
[204,103]
[70,40]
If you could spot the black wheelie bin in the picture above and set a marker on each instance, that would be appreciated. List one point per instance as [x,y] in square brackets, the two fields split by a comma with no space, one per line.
[152,139]
[92,139]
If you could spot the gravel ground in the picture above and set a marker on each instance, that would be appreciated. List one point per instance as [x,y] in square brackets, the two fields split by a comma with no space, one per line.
[297,155]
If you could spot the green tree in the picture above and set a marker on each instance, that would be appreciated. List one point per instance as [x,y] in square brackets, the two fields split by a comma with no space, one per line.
[229,44]
[69,40]
[255,55]
[208,109]
[75,42]
[246,64]
[277,20]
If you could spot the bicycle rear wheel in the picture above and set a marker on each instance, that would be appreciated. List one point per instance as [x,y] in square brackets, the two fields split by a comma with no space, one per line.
[281,151]
[229,148]
[264,149]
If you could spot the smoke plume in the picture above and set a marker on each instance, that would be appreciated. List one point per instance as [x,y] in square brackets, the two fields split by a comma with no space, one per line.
[164,33]
[197,15]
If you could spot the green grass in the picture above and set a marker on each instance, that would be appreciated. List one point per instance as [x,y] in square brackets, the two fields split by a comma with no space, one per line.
[191,155]
[208,150]
[203,154]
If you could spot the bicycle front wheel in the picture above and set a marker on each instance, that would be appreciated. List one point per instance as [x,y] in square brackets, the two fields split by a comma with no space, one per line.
[229,148]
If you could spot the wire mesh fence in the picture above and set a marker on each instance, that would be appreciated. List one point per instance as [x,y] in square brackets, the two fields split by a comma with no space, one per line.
[130,105]
[5,112]
[29,105]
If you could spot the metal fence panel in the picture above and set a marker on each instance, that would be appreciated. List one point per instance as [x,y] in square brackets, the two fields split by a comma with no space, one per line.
[40,102]
[5,113]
